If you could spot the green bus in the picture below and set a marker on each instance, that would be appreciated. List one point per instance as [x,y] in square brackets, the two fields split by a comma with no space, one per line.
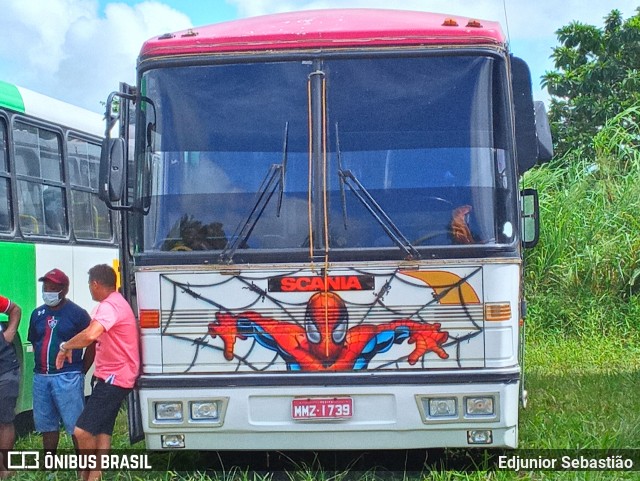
[50,215]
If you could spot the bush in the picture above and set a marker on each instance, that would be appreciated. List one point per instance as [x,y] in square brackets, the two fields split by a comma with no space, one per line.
[587,264]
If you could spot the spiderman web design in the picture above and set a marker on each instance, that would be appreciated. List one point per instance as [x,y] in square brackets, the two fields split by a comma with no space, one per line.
[292,313]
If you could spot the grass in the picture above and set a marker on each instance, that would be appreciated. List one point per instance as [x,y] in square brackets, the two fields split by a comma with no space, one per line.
[589,242]
[583,394]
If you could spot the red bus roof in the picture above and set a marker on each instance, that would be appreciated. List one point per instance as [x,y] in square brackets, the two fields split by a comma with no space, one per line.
[327,29]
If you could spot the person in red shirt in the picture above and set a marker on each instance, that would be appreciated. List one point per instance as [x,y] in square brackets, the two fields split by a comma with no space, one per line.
[117,363]
[9,380]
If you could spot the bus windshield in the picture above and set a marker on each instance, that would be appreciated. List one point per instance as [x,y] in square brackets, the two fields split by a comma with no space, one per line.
[412,153]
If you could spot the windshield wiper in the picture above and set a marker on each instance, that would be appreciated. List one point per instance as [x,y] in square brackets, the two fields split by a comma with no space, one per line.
[350,180]
[274,180]
[283,166]
[343,196]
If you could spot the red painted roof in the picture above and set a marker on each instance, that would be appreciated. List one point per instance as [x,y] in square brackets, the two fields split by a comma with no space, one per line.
[326,29]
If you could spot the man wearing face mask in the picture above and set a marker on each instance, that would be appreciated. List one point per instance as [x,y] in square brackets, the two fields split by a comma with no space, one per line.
[58,394]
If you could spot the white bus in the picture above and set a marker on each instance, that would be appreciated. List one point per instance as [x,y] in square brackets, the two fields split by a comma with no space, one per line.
[325,231]
[50,214]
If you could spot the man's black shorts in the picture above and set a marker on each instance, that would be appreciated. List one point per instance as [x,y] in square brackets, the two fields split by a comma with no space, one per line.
[100,412]
[9,386]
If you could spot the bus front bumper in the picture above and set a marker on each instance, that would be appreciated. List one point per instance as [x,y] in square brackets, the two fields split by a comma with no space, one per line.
[339,418]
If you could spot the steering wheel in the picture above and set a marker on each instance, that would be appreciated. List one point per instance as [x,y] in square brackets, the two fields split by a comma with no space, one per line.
[432,235]
[181,247]
[442,200]
[446,205]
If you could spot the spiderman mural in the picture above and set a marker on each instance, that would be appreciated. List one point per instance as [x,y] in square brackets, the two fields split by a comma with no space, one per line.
[325,342]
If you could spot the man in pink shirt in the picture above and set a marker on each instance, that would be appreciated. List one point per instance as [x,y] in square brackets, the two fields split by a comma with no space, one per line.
[117,362]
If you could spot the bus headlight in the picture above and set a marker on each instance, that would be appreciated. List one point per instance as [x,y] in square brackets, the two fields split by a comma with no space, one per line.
[481,436]
[172,440]
[479,406]
[168,411]
[204,411]
[443,407]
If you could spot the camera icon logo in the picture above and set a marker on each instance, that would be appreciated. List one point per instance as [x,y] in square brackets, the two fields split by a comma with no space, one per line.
[23,460]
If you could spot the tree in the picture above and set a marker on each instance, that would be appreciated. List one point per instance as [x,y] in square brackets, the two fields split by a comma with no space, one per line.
[597,76]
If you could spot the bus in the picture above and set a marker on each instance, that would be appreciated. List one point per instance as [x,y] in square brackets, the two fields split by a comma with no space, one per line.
[325,224]
[50,213]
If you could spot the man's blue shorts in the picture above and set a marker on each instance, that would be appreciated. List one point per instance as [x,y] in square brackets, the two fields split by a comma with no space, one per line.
[57,397]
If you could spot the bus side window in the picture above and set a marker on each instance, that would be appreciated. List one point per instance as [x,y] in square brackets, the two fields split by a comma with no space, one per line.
[5,203]
[81,206]
[91,218]
[26,142]
[41,205]
[54,210]
[29,193]
[73,161]
[5,192]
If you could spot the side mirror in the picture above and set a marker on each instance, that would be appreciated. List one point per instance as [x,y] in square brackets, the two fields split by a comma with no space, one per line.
[530,217]
[533,134]
[543,132]
[525,130]
[111,174]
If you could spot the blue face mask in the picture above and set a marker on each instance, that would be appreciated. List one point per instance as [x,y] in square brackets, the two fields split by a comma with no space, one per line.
[51,299]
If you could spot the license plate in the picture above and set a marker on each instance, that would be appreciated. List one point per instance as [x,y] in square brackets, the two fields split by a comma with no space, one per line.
[322,408]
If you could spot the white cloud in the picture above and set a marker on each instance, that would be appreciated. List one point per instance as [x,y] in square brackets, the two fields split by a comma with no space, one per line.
[34,31]
[69,50]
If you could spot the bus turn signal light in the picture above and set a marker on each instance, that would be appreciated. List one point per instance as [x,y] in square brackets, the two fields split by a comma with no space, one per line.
[497,311]
[149,319]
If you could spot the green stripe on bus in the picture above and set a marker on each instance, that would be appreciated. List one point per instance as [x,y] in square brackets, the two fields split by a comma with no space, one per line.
[18,276]
[10,97]
[18,283]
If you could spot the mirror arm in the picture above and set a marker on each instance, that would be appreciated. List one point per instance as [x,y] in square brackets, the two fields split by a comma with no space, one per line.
[113,149]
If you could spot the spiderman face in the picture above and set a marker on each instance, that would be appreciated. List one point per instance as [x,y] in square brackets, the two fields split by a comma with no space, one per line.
[326,323]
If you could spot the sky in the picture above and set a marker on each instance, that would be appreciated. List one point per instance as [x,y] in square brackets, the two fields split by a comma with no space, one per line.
[79,50]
